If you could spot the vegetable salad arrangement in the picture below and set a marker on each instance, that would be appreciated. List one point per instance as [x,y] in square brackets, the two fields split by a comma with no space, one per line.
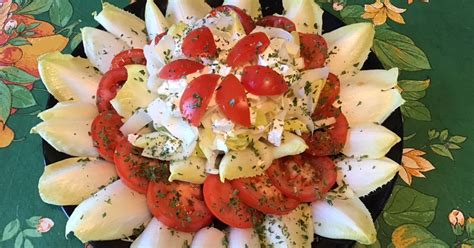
[263,123]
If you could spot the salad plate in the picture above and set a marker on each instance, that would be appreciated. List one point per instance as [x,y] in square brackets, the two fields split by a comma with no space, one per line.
[374,201]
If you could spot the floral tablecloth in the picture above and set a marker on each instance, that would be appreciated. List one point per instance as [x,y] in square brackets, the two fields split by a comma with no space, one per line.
[432,43]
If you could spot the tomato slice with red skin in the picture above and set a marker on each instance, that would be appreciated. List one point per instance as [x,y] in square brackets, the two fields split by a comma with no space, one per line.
[109,84]
[314,50]
[263,81]
[304,178]
[196,97]
[223,202]
[277,22]
[260,193]
[330,140]
[105,132]
[199,43]
[128,57]
[247,22]
[179,68]
[246,50]
[137,171]
[178,205]
[232,101]
[329,94]
[158,38]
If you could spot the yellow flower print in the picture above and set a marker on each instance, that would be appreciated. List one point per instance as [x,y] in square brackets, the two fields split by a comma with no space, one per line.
[6,135]
[413,164]
[379,11]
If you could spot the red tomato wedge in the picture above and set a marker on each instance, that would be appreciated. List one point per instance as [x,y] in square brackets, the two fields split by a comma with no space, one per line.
[329,94]
[260,193]
[330,140]
[224,203]
[109,84]
[245,19]
[179,68]
[247,49]
[158,38]
[232,101]
[314,50]
[136,171]
[178,205]
[105,132]
[196,97]
[199,43]
[128,57]
[304,178]
[277,22]
[263,81]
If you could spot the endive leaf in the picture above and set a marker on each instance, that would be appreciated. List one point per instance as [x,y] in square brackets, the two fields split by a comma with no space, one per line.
[155,21]
[251,7]
[190,170]
[156,234]
[239,237]
[70,111]
[291,145]
[209,237]
[306,14]
[187,11]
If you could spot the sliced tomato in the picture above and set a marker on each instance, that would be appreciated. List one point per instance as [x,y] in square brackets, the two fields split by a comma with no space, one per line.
[329,94]
[314,50]
[304,178]
[196,97]
[179,68]
[109,84]
[263,81]
[232,101]
[260,193]
[199,43]
[136,171]
[178,205]
[159,37]
[247,49]
[277,22]
[128,57]
[329,140]
[224,203]
[105,132]
[245,19]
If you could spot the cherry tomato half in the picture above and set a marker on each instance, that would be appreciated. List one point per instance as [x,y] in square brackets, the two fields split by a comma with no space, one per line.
[178,205]
[179,68]
[110,83]
[196,97]
[329,94]
[314,50]
[277,22]
[136,171]
[263,81]
[105,132]
[247,49]
[128,57]
[304,178]
[260,193]
[199,43]
[224,203]
[232,101]
[245,19]
[330,140]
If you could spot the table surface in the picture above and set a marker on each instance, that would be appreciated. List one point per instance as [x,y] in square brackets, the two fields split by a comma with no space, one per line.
[432,204]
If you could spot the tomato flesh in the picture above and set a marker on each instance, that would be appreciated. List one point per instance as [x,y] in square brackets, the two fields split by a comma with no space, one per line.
[179,68]
[304,178]
[137,171]
[232,101]
[246,50]
[329,94]
[178,205]
[246,20]
[223,202]
[277,22]
[196,97]
[158,38]
[314,50]
[330,140]
[109,84]
[105,132]
[260,193]
[199,43]
[128,57]
[263,81]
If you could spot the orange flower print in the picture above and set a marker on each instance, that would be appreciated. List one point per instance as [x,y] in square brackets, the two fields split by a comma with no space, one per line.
[456,217]
[411,1]
[413,164]
[6,135]
[379,11]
